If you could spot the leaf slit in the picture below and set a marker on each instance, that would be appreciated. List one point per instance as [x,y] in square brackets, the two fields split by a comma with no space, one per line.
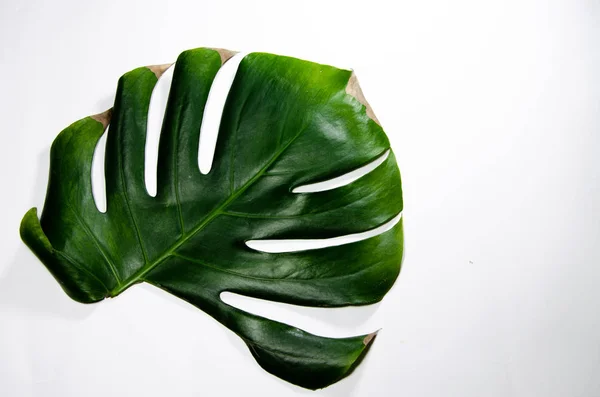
[156,115]
[97,173]
[211,120]
[294,245]
[344,179]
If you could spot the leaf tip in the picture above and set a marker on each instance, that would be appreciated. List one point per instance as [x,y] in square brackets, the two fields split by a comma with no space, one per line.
[26,221]
[103,118]
[353,89]
[158,70]
[369,338]
[224,54]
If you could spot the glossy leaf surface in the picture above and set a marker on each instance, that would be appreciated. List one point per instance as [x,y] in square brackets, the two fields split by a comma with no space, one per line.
[286,123]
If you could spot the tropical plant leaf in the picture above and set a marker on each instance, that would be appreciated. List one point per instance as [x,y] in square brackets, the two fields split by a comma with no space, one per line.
[286,123]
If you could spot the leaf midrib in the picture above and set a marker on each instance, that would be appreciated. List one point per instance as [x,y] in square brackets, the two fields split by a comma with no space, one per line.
[138,276]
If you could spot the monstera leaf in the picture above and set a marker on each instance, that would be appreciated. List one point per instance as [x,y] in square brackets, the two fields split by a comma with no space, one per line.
[286,123]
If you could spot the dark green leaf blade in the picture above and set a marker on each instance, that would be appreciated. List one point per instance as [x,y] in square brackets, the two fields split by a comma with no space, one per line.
[286,123]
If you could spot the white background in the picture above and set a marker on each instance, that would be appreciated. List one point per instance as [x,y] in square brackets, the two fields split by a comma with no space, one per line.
[492,110]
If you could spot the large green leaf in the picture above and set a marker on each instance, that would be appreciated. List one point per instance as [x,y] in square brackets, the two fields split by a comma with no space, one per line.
[286,123]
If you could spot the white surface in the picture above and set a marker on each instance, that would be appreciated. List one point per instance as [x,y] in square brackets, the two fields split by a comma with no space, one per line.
[492,110]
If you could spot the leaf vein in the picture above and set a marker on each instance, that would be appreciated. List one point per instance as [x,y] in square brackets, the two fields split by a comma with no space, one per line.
[87,230]
[78,265]
[138,276]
